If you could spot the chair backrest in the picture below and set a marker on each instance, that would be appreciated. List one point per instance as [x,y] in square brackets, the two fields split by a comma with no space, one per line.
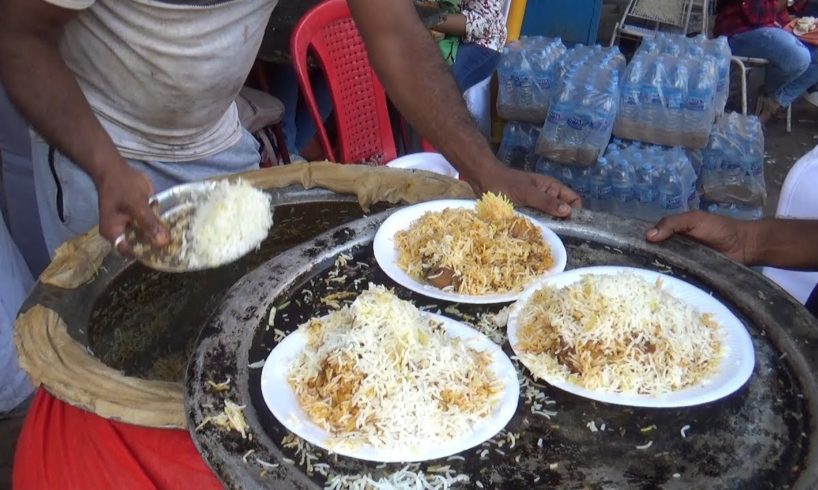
[798,199]
[669,12]
[361,113]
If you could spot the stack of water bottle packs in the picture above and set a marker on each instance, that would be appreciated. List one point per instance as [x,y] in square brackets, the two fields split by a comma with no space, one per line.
[582,110]
[517,147]
[732,168]
[673,88]
[633,180]
[527,76]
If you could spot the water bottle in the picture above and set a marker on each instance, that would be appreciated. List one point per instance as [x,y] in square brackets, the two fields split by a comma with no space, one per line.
[720,50]
[574,136]
[582,181]
[629,110]
[600,186]
[622,188]
[672,195]
[647,181]
[650,98]
[698,104]
[559,110]
[674,101]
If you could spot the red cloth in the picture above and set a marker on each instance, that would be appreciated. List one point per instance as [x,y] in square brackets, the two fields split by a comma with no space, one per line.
[737,16]
[65,447]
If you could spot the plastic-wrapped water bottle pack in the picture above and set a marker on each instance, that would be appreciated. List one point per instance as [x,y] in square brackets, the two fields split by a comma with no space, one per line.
[517,148]
[732,168]
[673,88]
[584,106]
[528,74]
[633,180]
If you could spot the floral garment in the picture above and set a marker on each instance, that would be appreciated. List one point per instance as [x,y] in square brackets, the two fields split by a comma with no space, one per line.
[485,22]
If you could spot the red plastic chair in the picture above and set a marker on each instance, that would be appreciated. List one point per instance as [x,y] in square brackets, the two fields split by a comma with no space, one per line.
[361,112]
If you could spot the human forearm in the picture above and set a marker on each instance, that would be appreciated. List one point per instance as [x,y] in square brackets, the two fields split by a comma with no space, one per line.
[46,93]
[454,24]
[423,90]
[783,243]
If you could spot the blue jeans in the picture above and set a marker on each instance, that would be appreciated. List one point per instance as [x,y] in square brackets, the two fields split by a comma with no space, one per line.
[297,123]
[67,197]
[793,66]
[473,64]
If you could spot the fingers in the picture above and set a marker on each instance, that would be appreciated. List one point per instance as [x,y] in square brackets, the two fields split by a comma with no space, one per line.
[550,196]
[148,221]
[112,227]
[670,225]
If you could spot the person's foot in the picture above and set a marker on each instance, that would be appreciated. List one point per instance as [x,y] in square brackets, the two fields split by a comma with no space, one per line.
[312,151]
[766,109]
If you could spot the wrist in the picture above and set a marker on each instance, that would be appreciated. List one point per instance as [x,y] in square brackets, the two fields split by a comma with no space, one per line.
[483,174]
[107,168]
[751,235]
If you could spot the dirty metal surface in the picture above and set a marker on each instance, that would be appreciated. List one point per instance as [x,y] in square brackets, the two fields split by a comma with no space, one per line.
[763,436]
[145,323]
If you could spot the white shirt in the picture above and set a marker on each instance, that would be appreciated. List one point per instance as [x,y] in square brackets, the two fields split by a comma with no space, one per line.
[162,75]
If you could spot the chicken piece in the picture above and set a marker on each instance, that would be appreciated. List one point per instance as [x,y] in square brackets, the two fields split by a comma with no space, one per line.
[440,277]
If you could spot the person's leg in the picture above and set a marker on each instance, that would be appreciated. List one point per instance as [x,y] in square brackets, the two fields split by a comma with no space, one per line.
[473,64]
[284,87]
[788,57]
[304,124]
[803,83]
[66,196]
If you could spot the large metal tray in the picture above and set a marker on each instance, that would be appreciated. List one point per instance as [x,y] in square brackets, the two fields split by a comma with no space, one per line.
[763,436]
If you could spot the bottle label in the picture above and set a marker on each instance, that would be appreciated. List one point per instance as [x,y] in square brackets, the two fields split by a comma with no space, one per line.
[518,80]
[601,192]
[674,100]
[672,202]
[647,196]
[622,194]
[576,122]
[630,96]
[650,96]
[696,102]
[545,83]
[555,116]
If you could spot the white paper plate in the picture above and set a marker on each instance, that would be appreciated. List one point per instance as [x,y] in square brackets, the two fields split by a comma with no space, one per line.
[282,402]
[735,368]
[387,254]
[429,161]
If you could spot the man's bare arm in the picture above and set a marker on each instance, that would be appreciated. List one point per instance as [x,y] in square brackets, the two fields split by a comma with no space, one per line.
[47,94]
[784,243]
[418,81]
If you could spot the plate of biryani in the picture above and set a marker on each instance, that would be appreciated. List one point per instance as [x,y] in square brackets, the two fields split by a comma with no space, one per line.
[630,337]
[380,380]
[467,251]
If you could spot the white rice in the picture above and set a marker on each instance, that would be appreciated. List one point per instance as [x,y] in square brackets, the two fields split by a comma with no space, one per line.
[233,220]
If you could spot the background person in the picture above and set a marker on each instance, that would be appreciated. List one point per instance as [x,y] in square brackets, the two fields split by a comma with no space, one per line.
[471,35]
[753,29]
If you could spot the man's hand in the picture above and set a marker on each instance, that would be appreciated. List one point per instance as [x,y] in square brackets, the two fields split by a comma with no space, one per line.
[532,190]
[420,85]
[123,200]
[726,235]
